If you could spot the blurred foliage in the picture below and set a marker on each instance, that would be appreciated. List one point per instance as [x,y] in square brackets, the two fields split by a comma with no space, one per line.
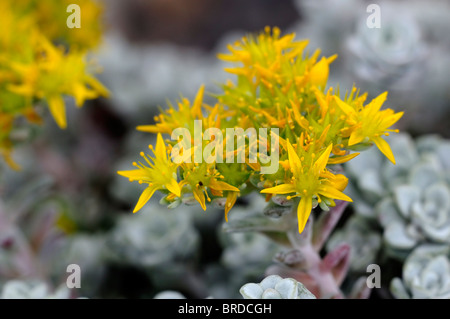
[68,206]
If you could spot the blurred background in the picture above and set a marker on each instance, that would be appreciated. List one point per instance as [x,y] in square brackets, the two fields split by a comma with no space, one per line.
[67,205]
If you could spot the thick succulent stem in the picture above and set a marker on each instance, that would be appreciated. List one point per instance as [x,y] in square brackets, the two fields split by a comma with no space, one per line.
[322,276]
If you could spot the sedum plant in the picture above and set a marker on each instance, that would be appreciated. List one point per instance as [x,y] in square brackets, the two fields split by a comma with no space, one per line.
[364,240]
[294,134]
[426,274]
[42,62]
[279,85]
[275,287]
[411,200]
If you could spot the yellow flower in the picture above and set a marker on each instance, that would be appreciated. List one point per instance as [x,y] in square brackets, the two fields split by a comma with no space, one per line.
[171,119]
[55,74]
[201,177]
[160,174]
[368,123]
[310,178]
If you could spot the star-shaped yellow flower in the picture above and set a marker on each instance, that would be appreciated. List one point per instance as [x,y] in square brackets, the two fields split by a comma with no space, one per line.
[310,178]
[369,124]
[161,173]
[201,177]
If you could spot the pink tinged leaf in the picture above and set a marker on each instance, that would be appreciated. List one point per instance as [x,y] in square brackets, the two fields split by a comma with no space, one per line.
[326,223]
[337,262]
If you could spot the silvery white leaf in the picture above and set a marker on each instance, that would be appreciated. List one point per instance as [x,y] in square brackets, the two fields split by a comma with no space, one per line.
[282,200]
[426,271]
[387,212]
[405,196]
[404,149]
[439,194]
[275,287]
[424,175]
[276,211]
[428,143]
[396,236]
[270,281]
[371,184]
[247,249]
[287,288]
[434,279]
[169,294]
[398,289]
[440,235]
[304,293]
[271,293]
[367,160]
[251,291]
[443,151]
[364,241]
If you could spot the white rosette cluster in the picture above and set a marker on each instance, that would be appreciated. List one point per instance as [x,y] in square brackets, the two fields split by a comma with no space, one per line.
[152,238]
[410,200]
[426,274]
[275,287]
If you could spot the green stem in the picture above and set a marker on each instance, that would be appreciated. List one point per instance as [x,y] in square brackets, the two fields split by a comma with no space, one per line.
[328,287]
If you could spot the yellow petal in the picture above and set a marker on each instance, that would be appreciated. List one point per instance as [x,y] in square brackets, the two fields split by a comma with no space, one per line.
[321,162]
[134,174]
[342,159]
[97,86]
[222,186]
[160,148]
[301,120]
[392,119]
[303,211]
[145,197]
[237,71]
[151,129]
[340,181]
[319,73]
[196,109]
[231,200]
[347,109]
[384,147]
[355,138]
[332,192]
[227,57]
[294,160]
[173,187]
[198,195]
[280,189]
[58,110]
[375,105]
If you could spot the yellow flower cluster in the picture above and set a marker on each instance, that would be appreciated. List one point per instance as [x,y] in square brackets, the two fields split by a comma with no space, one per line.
[279,85]
[43,60]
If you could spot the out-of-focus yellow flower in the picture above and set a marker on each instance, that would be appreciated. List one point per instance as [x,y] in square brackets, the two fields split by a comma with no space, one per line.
[54,74]
[41,59]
